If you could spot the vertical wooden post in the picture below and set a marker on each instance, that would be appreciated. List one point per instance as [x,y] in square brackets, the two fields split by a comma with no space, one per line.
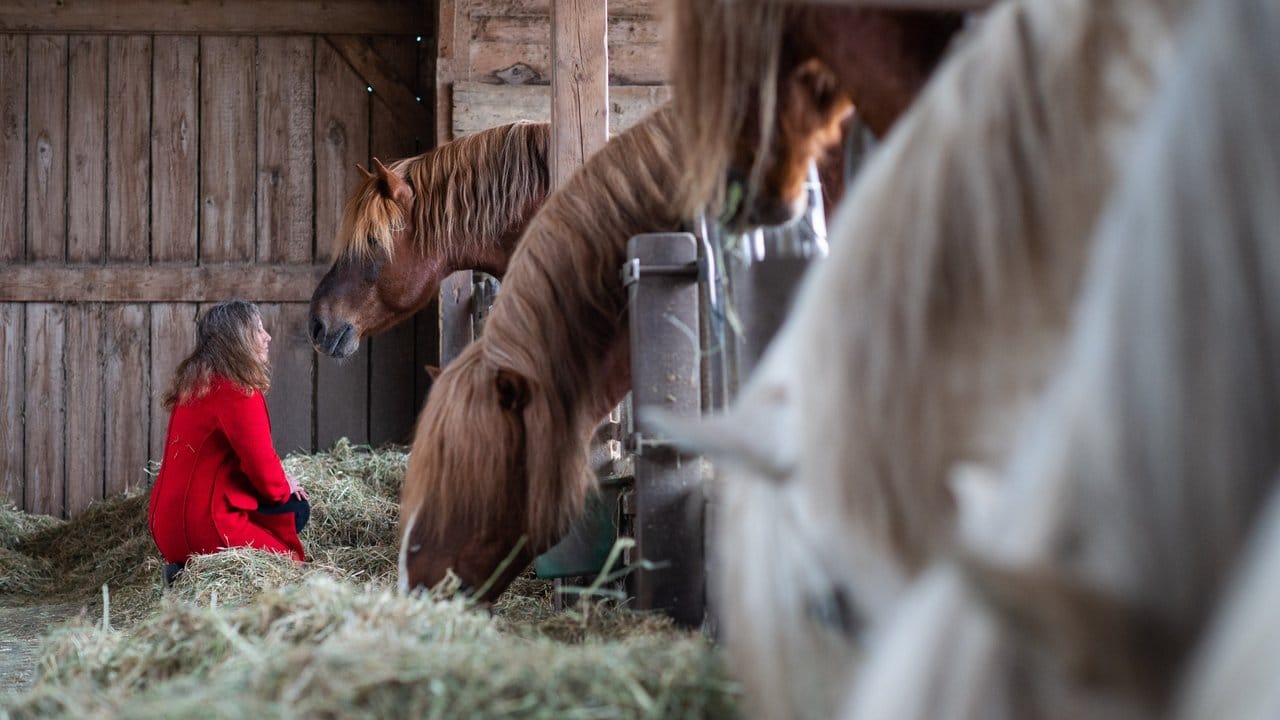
[579,84]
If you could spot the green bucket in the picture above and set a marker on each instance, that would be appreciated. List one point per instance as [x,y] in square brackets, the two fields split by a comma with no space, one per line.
[585,548]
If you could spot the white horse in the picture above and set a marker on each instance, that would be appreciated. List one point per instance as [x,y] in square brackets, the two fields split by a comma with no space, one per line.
[921,340]
[1130,494]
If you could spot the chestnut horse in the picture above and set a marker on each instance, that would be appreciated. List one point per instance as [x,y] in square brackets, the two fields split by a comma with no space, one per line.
[762,88]
[920,342]
[1130,495]
[460,206]
[498,468]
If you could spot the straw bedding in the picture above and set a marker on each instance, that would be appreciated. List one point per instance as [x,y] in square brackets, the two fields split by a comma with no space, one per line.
[248,634]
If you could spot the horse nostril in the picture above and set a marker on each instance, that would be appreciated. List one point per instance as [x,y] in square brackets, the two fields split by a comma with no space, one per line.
[317,330]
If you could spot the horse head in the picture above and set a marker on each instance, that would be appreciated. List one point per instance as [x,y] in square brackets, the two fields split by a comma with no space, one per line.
[488,426]
[381,275]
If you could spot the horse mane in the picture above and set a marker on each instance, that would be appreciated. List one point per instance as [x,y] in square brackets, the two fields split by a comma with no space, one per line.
[467,192]
[559,326]
[1153,453]
[956,261]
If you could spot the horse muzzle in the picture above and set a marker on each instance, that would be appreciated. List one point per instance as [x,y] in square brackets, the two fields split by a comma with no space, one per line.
[340,341]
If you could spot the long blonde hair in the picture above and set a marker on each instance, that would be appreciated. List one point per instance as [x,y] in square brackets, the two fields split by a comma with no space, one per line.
[224,346]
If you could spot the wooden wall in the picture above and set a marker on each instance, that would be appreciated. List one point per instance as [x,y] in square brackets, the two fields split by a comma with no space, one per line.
[145,173]
[495,63]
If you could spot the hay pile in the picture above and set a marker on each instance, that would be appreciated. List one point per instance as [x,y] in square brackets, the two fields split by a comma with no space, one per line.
[249,634]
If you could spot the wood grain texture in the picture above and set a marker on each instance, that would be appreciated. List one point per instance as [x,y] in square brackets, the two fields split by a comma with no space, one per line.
[47,148]
[45,409]
[286,121]
[13,146]
[248,17]
[86,173]
[127,377]
[292,373]
[227,121]
[579,85]
[478,105]
[157,283]
[86,428]
[391,81]
[341,141]
[175,125]
[129,148]
[13,382]
[173,337]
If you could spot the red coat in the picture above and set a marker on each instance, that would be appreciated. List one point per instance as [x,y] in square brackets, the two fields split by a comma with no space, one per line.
[218,465]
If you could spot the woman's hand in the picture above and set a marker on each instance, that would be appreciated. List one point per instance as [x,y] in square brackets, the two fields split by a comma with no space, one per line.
[295,487]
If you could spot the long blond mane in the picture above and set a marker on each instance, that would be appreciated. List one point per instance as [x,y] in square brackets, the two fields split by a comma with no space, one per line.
[560,325]
[468,192]
[1152,456]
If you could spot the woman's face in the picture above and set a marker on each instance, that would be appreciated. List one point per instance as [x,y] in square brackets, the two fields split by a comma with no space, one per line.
[261,340]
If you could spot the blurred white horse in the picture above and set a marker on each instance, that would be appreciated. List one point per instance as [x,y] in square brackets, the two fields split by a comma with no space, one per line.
[1087,580]
[920,342]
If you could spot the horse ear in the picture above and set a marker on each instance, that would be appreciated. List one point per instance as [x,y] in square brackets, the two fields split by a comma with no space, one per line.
[823,87]
[363,172]
[513,390]
[433,371]
[1099,638]
[393,186]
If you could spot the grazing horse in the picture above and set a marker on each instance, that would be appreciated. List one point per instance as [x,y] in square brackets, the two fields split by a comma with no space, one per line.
[762,88]
[498,468]
[1084,584]
[460,206]
[921,341]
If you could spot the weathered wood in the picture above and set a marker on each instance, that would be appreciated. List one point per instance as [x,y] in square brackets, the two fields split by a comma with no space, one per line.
[127,375]
[388,82]
[129,148]
[248,17]
[175,124]
[86,174]
[226,158]
[173,337]
[906,4]
[141,283]
[13,382]
[478,105]
[47,148]
[512,8]
[579,84]
[451,57]
[536,29]
[342,140]
[13,145]
[86,430]
[286,121]
[45,409]
[456,329]
[391,354]
[530,64]
[292,374]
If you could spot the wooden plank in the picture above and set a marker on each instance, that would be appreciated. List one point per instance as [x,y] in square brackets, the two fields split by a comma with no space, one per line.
[342,140]
[392,375]
[47,148]
[159,283]
[536,29]
[543,7]
[127,375]
[388,82]
[292,372]
[530,63]
[426,351]
[86,175]
[13,145]
[174,146]
[129,148]
[579,85]
[86,423]
[478,105]
[45,410]
[173,337]
[227,155]
[451,59]
[247,17]
[456,328]
[286,107]
[13,381]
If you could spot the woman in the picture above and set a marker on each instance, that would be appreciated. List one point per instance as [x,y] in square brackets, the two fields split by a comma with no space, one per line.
[221,483]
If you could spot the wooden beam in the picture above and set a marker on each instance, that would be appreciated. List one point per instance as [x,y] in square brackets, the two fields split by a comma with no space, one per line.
[477,106]
[385,81]
[158,283]
[224,17]
[579,84]
[959,5]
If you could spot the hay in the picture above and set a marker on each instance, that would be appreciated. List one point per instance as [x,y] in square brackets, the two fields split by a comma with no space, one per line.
[244,633]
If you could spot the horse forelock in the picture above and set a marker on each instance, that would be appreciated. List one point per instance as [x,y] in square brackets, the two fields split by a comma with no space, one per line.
[724,58]
[368,215]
